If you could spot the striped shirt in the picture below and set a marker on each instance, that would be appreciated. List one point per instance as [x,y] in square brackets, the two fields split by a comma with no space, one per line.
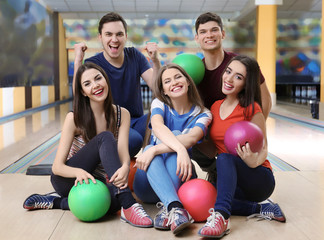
[180,124]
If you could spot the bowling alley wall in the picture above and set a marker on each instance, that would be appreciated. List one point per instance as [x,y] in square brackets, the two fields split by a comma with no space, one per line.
[297,59]
[36,56]
[33,57]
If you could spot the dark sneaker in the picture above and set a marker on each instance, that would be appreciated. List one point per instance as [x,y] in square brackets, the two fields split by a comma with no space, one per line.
[179,219]
[270,211]
[38,201]
[216,226]
[162,218]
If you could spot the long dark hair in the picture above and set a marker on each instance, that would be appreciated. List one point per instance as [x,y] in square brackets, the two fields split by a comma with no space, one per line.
[251,92]
[83,115]
[193,94]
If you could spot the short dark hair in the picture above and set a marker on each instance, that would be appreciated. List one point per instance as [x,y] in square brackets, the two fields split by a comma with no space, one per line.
[207,17]
[111,17]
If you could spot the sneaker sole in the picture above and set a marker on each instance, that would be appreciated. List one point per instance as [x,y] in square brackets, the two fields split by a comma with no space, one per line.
[161,228]
[220,236]
[181,227]
[282,220]
[29,208]
[141,226]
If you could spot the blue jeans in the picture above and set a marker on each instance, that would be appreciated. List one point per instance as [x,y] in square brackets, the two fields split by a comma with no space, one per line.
[239,187]
[137,134]
[162,177]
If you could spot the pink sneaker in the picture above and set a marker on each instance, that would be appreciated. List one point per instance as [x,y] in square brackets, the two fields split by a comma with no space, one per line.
[216,226]
[136,216]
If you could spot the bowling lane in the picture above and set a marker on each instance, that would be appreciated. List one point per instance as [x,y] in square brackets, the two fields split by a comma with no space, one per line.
[297,143]
[20,136]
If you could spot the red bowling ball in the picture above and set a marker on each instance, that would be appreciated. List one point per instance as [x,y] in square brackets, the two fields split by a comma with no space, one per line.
[198,196]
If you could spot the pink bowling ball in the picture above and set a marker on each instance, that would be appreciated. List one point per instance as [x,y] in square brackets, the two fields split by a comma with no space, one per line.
[243,132]
[198,196]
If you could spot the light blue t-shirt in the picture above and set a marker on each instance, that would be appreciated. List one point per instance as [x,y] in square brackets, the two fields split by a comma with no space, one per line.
[180,124]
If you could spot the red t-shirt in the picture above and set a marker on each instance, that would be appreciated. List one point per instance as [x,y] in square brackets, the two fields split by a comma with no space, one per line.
[219,126]
[210,88]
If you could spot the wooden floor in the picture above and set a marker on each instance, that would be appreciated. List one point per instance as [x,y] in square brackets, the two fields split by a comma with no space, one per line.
[299,193]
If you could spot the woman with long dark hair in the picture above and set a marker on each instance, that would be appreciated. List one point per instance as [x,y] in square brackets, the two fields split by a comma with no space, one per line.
[93,145]
[245,180]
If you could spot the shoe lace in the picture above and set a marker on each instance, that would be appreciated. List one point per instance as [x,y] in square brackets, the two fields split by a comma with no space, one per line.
[139,210]
[268,213]
[173,215]
[213,219]
[163,212]
[266,216]
[44,204]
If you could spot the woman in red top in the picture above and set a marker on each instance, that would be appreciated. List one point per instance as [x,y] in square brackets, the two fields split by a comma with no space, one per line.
[247,179]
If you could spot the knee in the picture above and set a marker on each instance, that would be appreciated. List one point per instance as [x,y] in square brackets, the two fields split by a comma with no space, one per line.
[106,135]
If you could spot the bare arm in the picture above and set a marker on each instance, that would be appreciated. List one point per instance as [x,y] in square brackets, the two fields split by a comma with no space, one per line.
[187,140]
[266,100]
[120,177]
[165,135]
[170,143]
[150,74]
[79,50]
[59,167]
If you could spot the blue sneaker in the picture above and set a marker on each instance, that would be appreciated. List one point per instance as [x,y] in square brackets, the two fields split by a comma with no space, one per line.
[270,211]
[179,219]
[162,218]
[38,201]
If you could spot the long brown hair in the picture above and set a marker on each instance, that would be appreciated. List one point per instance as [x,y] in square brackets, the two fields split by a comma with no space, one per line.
[251,92]
[83,115]
[193,94]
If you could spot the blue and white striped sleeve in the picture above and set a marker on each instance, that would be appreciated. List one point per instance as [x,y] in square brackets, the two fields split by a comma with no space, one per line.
[157,107]
[204,119]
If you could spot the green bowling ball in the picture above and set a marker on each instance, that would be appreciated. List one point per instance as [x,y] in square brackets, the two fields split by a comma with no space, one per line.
[192,64]
[89,202]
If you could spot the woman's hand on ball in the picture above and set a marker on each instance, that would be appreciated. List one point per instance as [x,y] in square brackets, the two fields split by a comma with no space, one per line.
[82,175]
[246,154]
